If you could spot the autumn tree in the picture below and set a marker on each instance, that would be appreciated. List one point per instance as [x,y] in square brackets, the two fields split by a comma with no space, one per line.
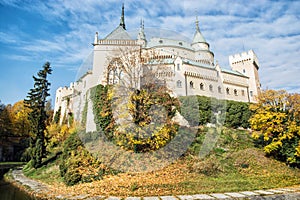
[19,114]
[36,101]
[5,120]
[276,125]
[143,108]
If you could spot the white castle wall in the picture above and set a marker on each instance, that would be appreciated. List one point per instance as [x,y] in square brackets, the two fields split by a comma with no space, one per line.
[247,64]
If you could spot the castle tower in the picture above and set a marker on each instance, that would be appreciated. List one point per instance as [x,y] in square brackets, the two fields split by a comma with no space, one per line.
[247,64]
[201,47]
[105,48]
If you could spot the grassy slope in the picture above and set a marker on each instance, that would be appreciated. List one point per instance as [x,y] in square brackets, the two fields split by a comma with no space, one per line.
[233,165]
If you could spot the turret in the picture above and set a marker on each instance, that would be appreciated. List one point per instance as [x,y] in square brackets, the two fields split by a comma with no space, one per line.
[201,47]
[96,39]
[199,42]
[141,35]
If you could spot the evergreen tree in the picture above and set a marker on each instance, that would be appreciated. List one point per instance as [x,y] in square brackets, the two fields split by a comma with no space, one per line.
[36,101]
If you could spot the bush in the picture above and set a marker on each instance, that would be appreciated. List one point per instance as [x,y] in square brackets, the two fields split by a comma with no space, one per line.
[235,114]
[77,164]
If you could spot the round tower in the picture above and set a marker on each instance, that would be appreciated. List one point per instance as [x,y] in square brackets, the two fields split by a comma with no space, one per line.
[201,47]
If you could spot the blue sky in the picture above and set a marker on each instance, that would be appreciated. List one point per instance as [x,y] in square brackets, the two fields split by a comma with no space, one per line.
[61,32]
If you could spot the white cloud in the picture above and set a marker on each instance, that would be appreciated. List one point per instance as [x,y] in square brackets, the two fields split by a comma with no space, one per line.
[270,28]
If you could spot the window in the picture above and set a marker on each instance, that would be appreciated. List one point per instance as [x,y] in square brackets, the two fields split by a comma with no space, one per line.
[179,84]
[243,92]
[201,86]
[251,93]
[227,91]
[244,71]
[210,88]
[219,89]
[160,41]
[191,84]
[235,92]
[178,67]
[180,43]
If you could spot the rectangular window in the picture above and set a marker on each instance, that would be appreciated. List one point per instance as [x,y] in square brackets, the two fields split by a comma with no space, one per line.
[251,93]
[178,67]
[243,93]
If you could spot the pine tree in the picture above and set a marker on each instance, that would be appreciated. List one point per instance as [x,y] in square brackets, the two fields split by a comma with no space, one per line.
[36,101]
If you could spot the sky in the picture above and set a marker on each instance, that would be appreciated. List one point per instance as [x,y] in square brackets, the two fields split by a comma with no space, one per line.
[33,32]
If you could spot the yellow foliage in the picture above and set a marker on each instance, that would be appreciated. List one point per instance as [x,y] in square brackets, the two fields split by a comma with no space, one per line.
[56,133]
[276,117]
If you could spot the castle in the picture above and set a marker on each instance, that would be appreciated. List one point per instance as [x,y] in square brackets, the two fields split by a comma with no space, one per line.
[190,68]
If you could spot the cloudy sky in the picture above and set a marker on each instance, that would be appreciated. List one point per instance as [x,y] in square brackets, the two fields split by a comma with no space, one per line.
[61,32]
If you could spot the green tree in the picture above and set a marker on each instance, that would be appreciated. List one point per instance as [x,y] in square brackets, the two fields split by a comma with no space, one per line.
[57,115]
[36,101]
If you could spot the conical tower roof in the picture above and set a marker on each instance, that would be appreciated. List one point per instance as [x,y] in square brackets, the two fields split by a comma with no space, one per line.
[198,37]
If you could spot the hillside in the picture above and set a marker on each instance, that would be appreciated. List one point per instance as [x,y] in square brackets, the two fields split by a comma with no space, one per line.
[234,164]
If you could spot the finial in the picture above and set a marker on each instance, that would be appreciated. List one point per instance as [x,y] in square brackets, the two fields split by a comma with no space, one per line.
[197,24]
[122,20]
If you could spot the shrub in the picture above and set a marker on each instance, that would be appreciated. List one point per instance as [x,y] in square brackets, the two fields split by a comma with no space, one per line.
[77,164]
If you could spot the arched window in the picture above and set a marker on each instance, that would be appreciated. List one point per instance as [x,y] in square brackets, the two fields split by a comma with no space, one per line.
[227,91]
[219,89]
[210,88]
[201,86]
[179,84]
[235,92]
[191,84]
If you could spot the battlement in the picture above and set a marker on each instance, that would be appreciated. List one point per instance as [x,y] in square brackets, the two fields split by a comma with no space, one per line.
[244,57]
[118,42]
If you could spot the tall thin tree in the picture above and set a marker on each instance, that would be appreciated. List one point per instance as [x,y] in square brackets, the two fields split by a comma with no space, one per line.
[36,101]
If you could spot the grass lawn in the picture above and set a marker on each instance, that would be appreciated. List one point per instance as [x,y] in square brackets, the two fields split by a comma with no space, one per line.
[233,165]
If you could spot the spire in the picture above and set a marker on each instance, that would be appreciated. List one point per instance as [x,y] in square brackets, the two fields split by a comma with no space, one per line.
[141,35]
[197,24]
[122,20]
[198,37]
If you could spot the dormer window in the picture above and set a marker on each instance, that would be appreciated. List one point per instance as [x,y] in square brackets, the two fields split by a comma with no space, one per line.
[180,43]
[160,41]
